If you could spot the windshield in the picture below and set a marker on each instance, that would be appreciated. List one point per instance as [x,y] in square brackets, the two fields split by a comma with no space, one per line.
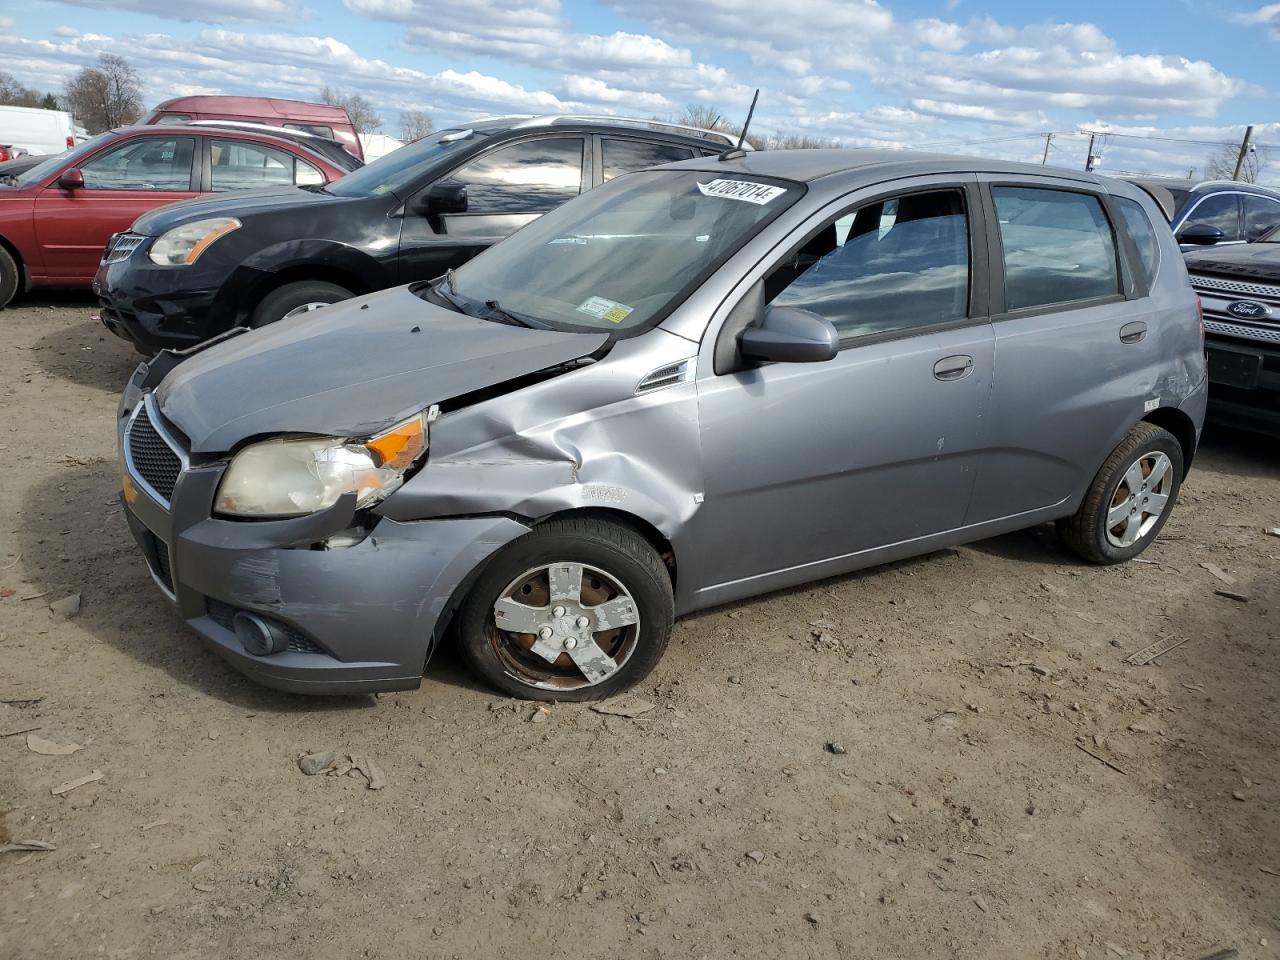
[1272,237]
[399,170]
[622,256]
[46,167]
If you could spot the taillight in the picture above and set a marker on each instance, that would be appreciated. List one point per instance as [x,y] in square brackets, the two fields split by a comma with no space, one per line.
[4,154]
[1200,311]
[71,142]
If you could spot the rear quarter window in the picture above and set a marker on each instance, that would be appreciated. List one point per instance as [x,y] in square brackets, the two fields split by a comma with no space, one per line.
[1138,225]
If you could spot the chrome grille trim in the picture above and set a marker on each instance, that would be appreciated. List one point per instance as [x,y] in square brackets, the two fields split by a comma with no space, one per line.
[1267,290]
[1246,333]
[145,418]
[666,376]
[121,246]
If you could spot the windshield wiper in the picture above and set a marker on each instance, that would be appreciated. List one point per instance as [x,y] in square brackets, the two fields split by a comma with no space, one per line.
[503,316]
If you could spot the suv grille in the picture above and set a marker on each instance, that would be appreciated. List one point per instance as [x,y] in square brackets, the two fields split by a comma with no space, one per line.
[150,457]
[1266,290]
[120,246]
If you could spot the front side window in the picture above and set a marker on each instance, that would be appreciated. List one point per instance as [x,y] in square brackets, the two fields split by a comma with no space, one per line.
[624,156]
[533,176]
[148,163]
[1221,210]
[1058,247]
[1261,214]
[243,165]
[890,265]
[1138,225]
[621,257]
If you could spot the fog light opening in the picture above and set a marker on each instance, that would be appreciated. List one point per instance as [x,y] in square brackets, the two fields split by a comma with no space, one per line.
[259,637]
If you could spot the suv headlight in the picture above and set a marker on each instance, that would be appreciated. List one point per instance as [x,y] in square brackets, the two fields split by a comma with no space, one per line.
[295,477]
[183,245]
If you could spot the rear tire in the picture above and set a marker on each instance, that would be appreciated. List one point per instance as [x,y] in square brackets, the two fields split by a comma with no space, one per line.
[594,590]
[10,278]
[295,297]
[1129,500]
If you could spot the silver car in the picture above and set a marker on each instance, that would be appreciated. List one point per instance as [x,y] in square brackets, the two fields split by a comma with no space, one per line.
[694,384]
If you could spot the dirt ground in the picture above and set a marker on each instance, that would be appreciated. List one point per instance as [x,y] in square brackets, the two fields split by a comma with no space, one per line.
[1004,785]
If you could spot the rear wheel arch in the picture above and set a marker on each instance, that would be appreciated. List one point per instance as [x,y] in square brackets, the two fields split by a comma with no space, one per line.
[1181,426]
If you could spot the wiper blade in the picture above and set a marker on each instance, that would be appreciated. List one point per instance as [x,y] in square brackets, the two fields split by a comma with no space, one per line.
[504,316]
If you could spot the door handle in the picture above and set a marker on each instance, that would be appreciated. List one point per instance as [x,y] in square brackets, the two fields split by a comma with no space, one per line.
[1133,332]
[953,368]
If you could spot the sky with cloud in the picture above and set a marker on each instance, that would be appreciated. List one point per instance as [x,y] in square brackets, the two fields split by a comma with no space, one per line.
[957,75]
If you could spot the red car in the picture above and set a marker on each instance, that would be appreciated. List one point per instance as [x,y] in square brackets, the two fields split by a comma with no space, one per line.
[56,218]
[321,119]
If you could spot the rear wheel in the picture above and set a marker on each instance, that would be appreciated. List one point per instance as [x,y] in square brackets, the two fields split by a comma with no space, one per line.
[10,277]
[1129,500]
[295,299]
[577,609]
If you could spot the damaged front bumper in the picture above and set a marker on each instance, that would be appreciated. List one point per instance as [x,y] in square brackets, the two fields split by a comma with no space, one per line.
[358,618]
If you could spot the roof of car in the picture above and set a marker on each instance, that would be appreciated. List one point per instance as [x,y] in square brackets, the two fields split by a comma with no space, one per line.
[809,165]
[565,122]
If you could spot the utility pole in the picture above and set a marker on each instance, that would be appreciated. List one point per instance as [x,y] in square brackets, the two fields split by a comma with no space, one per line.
[1048,137]
[1244,151]
[1088,163]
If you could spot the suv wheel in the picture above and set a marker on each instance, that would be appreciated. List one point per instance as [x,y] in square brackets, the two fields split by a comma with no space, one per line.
[574,610]
[10,277]
[1129,500]
[294,299]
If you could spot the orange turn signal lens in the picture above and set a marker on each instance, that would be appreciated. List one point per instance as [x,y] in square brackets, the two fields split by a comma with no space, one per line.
[129,488]
[401,445]
[209,237]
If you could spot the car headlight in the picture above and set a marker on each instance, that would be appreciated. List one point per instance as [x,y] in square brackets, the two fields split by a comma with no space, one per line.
[295,477]
[183,245]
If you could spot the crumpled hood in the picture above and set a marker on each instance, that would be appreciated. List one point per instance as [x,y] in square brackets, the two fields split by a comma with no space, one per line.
[240,203]
[350,369]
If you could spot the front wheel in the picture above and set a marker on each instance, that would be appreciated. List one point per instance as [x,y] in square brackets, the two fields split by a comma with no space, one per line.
[10,277]
[1130,498]
[577,609]
[295,299]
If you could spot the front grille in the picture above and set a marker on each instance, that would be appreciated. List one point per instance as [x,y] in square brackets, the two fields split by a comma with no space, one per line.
[1265,290]
[160,566]
[121,246]
[1263,334]
[223,614]
[151,457]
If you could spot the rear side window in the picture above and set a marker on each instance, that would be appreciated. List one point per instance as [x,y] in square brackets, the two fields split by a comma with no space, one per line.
[623,156]
[1138,225]
[172,119]
[533,176]
[1221,210]
[242,165]
[1058,247]
[1261,214]
[890,265]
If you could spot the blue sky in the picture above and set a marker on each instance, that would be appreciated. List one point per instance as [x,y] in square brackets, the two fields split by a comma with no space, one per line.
[975,76]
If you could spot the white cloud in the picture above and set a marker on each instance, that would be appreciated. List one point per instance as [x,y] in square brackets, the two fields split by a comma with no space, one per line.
[206,11]
[7,23]
[1268,16]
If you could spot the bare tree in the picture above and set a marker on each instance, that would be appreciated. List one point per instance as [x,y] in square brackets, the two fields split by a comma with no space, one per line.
[107,95]
[415,124]
[799,141]
[15,94]
[1221,164]
[708,117]
[364,116]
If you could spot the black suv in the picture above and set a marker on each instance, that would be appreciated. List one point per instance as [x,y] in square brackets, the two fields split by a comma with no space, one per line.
[1212,212]
[1239,289]
[191,270]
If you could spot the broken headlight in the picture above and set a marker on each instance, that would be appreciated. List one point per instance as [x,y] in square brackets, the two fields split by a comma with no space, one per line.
[294,477]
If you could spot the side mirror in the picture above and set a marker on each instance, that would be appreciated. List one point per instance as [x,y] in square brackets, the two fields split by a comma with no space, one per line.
[71,179]
[442,198]
[791,335]
[1202,235]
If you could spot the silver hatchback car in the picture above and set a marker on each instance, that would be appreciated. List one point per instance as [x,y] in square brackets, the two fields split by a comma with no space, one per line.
[694,384]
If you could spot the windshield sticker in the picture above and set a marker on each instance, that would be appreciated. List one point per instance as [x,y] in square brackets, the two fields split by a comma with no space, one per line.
[603,309]
[757,193]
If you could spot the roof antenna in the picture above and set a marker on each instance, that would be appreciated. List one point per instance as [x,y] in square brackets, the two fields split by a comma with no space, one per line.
[737,152]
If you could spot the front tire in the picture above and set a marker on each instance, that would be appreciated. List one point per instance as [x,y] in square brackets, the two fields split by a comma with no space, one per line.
[577,609]
[10,277]
[1129,500]
[296,298]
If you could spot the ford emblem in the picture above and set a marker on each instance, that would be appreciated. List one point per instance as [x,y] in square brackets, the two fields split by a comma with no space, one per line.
[1248,310]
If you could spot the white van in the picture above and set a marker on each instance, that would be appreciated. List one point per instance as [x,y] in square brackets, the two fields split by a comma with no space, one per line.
[38,131]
